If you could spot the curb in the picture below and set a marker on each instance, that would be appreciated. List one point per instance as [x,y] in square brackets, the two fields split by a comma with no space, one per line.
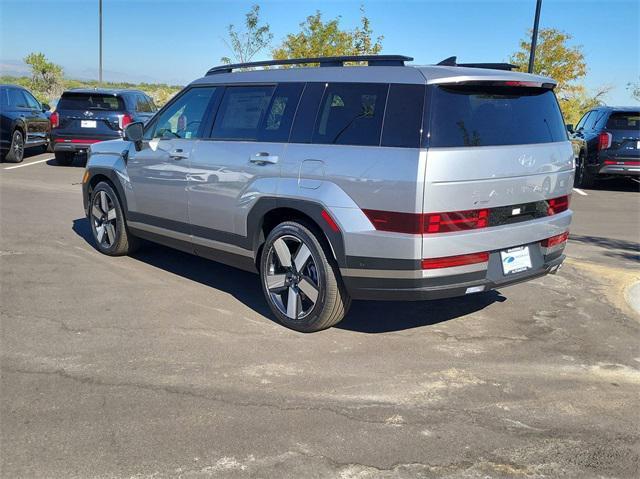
[632,296]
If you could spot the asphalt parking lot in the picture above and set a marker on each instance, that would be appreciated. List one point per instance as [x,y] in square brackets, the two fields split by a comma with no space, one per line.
[166,365]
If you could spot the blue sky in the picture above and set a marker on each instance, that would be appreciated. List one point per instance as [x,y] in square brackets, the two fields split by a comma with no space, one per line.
[177,41]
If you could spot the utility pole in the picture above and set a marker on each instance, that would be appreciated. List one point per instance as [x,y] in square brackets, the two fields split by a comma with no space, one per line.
[534,36]
[100,41]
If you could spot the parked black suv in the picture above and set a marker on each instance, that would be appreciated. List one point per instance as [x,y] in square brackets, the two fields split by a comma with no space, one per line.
[23,122]
[607,143]
[85,116]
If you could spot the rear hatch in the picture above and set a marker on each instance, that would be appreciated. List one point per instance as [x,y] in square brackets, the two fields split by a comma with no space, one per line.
[496,147]
[90,116]
[623,129]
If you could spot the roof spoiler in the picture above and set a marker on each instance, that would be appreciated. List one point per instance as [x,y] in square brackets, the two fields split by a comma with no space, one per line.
[452,62]
[370,60]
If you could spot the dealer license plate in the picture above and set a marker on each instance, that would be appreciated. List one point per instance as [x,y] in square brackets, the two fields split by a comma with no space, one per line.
[87,123]
[515,260]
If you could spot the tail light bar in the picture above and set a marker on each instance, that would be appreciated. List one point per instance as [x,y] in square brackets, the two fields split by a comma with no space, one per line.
[604,140]
[54,119]
[555,240]
[451,261]
[430,223]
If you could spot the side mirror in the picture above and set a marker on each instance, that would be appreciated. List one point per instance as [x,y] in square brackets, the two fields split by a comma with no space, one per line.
[45,107]
[135,132]
[570,127]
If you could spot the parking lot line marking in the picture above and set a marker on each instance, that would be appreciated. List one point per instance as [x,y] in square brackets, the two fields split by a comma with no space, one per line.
[26,164]
[580,192]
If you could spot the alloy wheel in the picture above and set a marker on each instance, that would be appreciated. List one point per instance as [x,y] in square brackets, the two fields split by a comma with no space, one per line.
[18,146]
[104,217]
[291,277]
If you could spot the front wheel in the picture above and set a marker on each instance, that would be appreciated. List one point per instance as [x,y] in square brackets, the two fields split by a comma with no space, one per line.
[300,280]
[107,222]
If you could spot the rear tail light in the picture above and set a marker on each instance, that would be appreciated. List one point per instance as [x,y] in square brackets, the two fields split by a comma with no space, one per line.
[451,261]
[455,221]
[124,120]
[396,222]
[555,240]
[54,119]
[557,205]
[604,140]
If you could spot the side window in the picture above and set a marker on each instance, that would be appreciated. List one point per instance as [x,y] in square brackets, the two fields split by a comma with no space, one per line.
[305,120]
[403,116]
[351,114]
[31,101]
[583,120]
[17,99]
[142,105]
[279,117]
[152,105]
[590,122]
[184,117]
[241,112]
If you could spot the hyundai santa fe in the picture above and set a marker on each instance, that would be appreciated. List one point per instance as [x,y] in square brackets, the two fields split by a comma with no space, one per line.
[381,181]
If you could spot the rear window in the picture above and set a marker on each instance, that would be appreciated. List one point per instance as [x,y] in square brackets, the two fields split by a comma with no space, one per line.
[624,121]
[473,115]
[90,101]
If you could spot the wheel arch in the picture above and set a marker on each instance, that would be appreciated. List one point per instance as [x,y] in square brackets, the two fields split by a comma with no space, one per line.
[96,175]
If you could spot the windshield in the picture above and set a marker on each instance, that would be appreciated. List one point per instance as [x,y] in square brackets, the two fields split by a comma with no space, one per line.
[90,101]
[473,115]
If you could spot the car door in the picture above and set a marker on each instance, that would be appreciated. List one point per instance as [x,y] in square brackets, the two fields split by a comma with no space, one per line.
[241,160]
[158,172]
[24,114]
[38,120]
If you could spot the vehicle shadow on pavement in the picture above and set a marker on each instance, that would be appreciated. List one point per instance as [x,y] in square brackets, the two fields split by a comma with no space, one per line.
[364,316]
[629,250]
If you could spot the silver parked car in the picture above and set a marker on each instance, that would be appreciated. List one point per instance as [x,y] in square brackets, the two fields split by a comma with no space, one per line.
[334,183]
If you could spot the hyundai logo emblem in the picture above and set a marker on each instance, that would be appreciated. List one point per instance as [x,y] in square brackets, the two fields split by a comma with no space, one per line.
[88,113]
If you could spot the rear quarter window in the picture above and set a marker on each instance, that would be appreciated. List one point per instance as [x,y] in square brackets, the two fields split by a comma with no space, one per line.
[479,115]
[90,101]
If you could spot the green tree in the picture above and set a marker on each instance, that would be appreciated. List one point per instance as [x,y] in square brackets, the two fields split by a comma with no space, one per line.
[634,88]
[46,76]
[319,38]
[566,64]
[245,45]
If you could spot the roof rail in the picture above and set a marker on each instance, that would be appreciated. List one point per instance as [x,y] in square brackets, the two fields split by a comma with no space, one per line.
[371,60]
[452,62]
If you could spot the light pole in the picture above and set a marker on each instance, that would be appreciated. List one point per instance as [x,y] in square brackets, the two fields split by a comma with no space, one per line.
[534,36]
[100,42]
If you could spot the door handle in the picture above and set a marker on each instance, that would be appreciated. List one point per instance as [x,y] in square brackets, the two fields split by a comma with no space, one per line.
[263,158]
[178,154]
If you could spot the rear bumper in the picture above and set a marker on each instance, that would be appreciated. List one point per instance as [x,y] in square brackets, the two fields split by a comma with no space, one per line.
[77,144]
[620,169]
[417,289]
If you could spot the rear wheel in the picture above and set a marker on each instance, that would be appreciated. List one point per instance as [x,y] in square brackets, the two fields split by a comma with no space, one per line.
[16,150]
[64,158]
[583,177]
[107,222]
[300,282]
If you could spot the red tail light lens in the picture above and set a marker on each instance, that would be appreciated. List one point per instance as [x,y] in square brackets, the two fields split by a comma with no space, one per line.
[54,119]
[410,223]
[604,140]
[555,240]
[455,221]
[124,120]
[557,205]
[451,261]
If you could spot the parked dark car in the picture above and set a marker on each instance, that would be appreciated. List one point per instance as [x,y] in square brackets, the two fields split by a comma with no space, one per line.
[606,142]
[23,122]
[84,117]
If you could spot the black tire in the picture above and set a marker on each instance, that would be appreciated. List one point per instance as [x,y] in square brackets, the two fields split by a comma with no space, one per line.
[108,227]
[318,272]
[583,177]
[16,150]
[64,158]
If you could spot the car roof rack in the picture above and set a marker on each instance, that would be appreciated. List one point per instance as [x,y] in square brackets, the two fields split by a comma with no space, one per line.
[452,62]
[371,60]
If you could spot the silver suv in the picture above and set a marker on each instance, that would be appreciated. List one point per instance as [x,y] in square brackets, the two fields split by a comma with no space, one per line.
[384,181]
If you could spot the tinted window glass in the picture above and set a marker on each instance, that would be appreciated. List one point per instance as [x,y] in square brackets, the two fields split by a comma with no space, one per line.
[351,114]
[17,98]
[624,121]
[583,120]
[152,105]
[302,131]
[279,117]
[241,112]
[142,105]
[90,101]
[31,101]
[403,117]
[591,120]
[184,117]
[494,115]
